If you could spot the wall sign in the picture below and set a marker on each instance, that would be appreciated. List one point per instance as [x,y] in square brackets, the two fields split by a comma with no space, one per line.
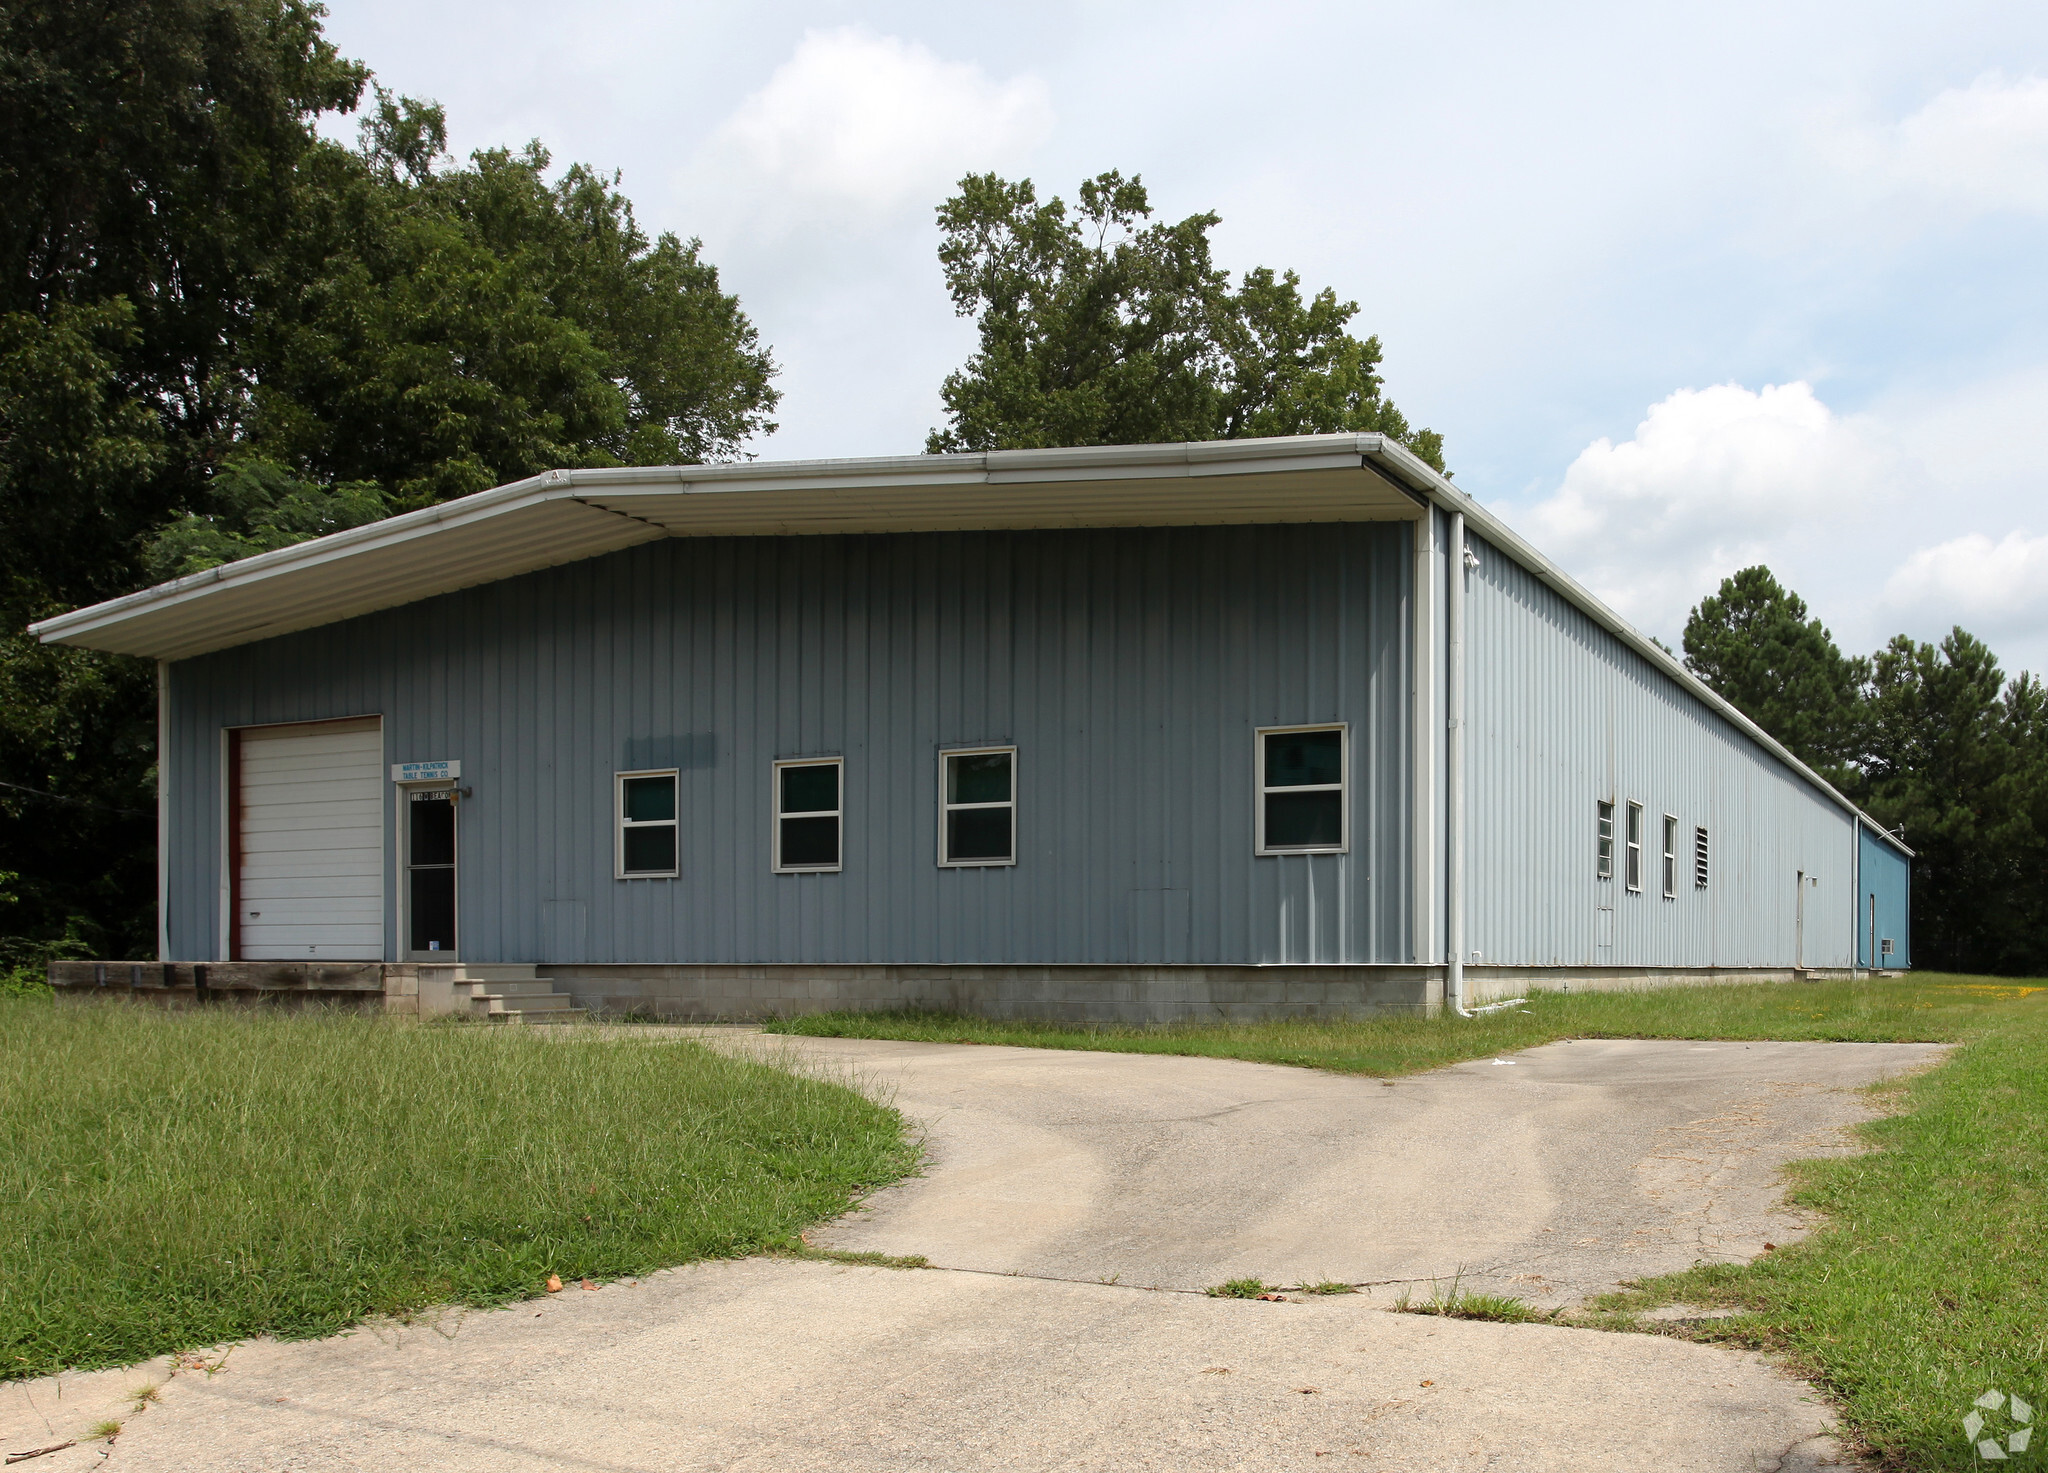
[425,772]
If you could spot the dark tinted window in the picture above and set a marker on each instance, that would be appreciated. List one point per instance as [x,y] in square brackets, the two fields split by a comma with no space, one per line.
[1304,820]
[1304,758]
[433,829]
[650,850]
[650,799]
[810,841]
[811,789]
[433,909]
[978,777]
[978,833]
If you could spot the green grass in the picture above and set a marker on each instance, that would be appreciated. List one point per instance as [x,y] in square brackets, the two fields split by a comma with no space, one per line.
[1903,1011]
[1452,1301]
[1928,1281]
[1237,1289]
[1501,1308]
[174,1180]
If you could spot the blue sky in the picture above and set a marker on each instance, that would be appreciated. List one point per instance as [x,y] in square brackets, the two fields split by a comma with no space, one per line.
[1684,288]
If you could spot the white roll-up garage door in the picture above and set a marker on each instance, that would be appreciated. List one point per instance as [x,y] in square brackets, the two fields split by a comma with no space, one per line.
[310,861]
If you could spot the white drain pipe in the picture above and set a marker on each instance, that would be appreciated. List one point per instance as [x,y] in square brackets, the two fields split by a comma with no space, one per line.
[1454,784]
[1454,774]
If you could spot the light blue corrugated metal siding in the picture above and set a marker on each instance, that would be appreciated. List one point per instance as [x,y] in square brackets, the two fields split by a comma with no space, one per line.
[1130,668]
[1562,715]
[1884,903]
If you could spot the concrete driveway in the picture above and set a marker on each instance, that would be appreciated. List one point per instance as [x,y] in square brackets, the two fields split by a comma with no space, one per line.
[1552,1174]
[1077,1203]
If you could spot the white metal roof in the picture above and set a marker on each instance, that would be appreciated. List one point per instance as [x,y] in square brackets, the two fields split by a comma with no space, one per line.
[565,516]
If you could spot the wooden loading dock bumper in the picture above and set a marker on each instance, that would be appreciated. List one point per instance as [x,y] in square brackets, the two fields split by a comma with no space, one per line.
[363,985]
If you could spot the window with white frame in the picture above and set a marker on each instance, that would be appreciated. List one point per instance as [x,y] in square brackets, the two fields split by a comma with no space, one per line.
[1670,857]
[647,824]
[1699,858]
[1302,798]
[807,815]
[1633,838]
[978,806]
[1604,825]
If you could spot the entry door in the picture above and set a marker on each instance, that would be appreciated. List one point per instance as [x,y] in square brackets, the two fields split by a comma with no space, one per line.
[307,842]
[430,847]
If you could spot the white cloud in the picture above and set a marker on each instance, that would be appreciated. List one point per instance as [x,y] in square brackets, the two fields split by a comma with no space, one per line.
[856,128]
[1991,588]
[1984,146]
[1839,506]
[1714,479]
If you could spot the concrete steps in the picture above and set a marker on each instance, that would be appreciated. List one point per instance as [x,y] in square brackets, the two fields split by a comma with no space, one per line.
[505,993]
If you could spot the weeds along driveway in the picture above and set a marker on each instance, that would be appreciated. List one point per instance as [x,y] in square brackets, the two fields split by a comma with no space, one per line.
[1559,1173]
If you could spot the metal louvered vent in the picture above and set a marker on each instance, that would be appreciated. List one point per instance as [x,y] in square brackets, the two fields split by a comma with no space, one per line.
[1699,859]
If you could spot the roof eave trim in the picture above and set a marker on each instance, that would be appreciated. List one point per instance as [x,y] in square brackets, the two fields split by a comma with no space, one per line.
[550,486]
[565,484]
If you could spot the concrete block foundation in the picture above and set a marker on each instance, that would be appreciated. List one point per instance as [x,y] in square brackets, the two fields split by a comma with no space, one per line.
[1079,994]
[703,992]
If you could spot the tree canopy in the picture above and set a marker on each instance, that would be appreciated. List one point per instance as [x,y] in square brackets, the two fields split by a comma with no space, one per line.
[1956,756]
[440,330]
[1099,326]
[1932,739]
[1754,643]
[221,332]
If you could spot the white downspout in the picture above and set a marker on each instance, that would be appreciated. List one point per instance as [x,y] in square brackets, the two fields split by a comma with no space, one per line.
[1454,772]
[1461,563]
[1856,895]
[163,810]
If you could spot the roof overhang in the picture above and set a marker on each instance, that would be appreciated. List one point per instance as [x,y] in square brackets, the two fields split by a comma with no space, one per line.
[566,516]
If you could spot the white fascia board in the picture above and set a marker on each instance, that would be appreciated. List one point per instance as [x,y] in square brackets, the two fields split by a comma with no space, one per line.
[1299,452]
[391,532]
[995,467]
[1494,530]
[1210,457]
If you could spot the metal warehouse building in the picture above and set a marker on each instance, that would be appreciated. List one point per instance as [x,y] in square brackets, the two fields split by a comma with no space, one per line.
[1249,727]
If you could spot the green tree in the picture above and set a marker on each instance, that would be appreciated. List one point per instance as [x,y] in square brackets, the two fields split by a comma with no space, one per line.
[1098,326]
[1948,759]
[2025,719]
[220,332]
[258,506]
[1756,645]
[143,150]
[443,330]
